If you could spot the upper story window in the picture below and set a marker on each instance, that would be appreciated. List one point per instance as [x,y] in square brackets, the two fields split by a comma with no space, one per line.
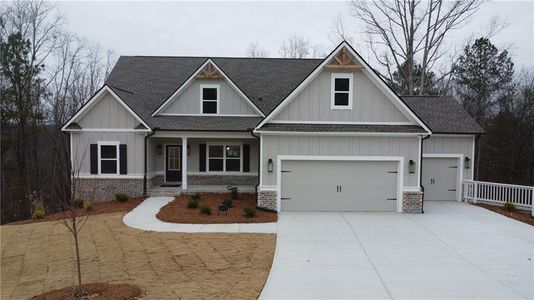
[209,96]
[342,91]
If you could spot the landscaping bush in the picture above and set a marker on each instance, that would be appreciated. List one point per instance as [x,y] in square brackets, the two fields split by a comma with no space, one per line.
[227,202]
[88,206]
[205,210]
[234,191]
[509,206]
[195,196]
[250,212]
[192,203]
[78,202]
[38,214]
[121,197]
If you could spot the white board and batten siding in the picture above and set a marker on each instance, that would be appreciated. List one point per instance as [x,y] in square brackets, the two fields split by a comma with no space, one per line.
[108,113]
[135,149]
[369,103]
[188,101]
[328,146]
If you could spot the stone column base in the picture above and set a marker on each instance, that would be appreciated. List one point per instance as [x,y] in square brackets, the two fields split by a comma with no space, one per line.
[267,199]
[412,202]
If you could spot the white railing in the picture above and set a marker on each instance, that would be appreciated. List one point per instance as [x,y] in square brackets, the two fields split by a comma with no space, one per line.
[519,195]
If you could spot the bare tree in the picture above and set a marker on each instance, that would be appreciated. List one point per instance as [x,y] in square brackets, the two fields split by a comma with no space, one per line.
[406,33]
[296,46]
[256,50]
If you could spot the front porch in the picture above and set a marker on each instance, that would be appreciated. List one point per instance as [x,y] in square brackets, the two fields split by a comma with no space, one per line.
[179,162]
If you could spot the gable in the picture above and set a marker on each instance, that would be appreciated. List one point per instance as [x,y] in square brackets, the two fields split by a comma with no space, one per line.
[188,102]
[344,59]
[105,111]
[207,72]
[369,104]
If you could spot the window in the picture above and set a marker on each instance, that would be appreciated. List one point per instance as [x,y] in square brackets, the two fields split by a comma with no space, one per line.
[209,96]
[108,158]
[224,158]
[341,91]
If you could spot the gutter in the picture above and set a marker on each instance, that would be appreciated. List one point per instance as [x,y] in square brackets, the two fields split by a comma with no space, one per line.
[259,161]
[146,161]
[421,174]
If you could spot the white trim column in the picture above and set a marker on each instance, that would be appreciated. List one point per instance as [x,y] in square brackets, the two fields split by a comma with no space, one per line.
[184,163]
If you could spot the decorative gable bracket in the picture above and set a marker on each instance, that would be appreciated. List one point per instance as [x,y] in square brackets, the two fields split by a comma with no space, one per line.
[209,72]
[343,60]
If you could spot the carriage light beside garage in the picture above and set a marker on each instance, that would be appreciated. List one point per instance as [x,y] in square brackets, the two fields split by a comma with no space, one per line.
[411,166]
[467,163]
[160,149]
[270,165]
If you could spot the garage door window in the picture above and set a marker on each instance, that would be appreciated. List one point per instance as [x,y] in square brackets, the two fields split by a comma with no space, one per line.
[224,158]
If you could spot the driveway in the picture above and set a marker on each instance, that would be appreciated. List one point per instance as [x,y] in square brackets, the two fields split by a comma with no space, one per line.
[454,251]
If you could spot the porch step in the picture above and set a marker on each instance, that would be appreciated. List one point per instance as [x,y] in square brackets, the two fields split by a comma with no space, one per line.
[165,191]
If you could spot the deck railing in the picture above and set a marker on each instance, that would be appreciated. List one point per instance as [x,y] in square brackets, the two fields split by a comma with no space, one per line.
[520,195]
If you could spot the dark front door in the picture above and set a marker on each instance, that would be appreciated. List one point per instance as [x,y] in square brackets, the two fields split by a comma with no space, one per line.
[173,163]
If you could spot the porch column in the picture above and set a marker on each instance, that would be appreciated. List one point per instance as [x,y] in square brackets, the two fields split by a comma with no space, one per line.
[184,163]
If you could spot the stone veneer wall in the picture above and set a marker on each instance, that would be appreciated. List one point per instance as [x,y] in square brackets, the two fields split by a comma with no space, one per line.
[100,190]
[412,202]
[222,179]
[154,181]
[267,199]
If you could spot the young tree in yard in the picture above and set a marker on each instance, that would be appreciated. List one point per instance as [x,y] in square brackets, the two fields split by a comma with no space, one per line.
[481,75]
[405,34]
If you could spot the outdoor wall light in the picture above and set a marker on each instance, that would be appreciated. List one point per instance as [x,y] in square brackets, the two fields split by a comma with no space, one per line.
[160,149]
[270,165]
[467,163]
[411,166]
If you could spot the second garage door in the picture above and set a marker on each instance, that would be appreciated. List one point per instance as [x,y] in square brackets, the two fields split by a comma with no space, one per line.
[440,178]
[339,185]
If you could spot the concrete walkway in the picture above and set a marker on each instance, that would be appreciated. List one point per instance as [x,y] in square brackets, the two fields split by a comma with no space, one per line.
[144,217]
[453,251]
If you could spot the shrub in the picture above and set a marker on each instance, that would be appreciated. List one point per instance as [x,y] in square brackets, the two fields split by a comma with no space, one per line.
[509,206]
[234,191]
[87,205]
[192,203]
[38,214]
[121,197]
[195,196]
[250,212]
[205,210]
[78,202]
[227,202]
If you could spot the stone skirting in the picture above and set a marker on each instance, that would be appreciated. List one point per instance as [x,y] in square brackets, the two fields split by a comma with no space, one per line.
[100,190]
[222,179]
[154,181]
[412,202]
[267,199]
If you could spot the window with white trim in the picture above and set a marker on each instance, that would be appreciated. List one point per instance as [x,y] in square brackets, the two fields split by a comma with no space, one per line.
[342,91]
[224,158]
[108,158]
[209,96]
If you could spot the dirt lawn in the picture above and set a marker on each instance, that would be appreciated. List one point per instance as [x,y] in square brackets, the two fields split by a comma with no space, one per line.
[39,257]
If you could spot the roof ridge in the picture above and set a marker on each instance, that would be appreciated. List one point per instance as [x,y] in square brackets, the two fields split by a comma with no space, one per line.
[223,57]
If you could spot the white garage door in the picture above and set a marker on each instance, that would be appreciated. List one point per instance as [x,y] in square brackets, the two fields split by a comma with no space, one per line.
[440,178]
[339,185]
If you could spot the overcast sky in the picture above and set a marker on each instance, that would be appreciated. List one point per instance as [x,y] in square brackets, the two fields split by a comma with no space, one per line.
[227,28]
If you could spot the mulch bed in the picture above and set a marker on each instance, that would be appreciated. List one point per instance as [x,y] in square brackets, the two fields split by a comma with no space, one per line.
[177,211]
[521,216]
[95,291]
[97,209]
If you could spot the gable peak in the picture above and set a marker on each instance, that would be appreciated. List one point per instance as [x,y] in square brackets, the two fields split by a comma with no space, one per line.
[209,72]
[343,59]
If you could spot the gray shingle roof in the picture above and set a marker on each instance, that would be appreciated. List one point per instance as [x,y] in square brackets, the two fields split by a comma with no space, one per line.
[443,114]
[342,128]
[145,82]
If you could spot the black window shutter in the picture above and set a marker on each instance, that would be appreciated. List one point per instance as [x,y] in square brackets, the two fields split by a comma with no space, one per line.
[246,158]
[202,157]
[123,159]
[94,159]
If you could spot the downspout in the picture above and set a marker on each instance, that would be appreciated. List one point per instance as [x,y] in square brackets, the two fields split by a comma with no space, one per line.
[145,190]
[421,174]
[259,159]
